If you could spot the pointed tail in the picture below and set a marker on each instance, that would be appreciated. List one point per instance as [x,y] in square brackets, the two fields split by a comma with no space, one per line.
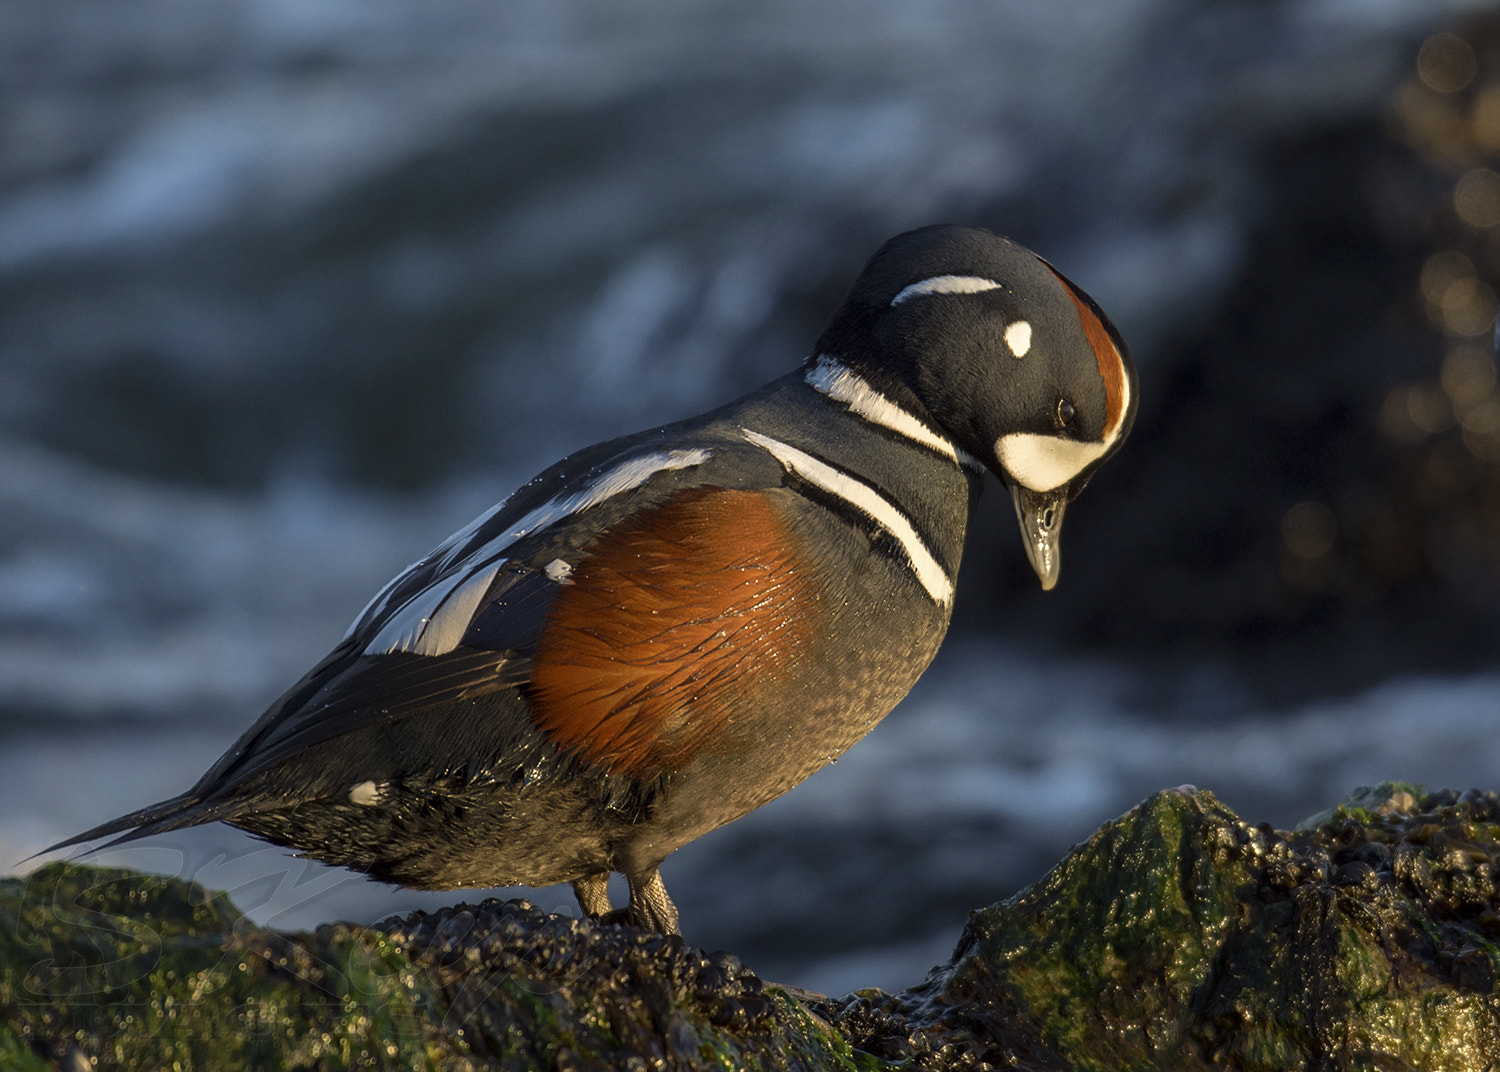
[181,811]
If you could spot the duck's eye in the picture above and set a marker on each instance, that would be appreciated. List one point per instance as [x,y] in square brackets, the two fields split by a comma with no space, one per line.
[1065,413]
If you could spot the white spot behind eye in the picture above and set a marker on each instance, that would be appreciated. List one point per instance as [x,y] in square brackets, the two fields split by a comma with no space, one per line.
[557,571]
[1018,337]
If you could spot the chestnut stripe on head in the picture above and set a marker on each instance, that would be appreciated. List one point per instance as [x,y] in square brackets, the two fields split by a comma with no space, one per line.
[673,623]
[1111,363]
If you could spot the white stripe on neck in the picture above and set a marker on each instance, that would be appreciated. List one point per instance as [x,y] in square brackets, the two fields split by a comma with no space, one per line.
[831,378]
[868,501]
[947,284]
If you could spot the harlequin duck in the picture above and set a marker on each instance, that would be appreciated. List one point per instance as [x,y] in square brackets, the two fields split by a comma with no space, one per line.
[665,631]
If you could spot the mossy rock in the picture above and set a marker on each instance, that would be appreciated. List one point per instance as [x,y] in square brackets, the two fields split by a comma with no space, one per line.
[1177,937]
[137,971]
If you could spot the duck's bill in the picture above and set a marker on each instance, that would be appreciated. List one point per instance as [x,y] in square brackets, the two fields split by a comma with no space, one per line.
[1040,514]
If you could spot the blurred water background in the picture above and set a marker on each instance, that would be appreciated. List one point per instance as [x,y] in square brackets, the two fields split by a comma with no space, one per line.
[291,289]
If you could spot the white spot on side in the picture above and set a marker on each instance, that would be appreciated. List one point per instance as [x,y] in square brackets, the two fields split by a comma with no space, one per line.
[947,284]
[366,793]
[1018,337]
[1043,462]
[868,501]
[558,571]
[433,621]
[840,384]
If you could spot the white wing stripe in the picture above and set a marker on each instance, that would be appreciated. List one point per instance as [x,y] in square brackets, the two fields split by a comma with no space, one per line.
[447,625]
[622,478]
[433,621]
[868,501]
[377,604]
[403,630]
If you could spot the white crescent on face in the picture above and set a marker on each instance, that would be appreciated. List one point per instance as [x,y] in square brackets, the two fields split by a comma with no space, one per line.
[1043,462]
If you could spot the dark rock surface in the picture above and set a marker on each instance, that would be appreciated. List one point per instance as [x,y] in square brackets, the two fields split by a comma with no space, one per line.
[1178,937]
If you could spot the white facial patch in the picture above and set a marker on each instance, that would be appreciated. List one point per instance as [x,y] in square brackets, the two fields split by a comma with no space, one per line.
[558,571]
[868,501]
[433,621]
[1018,337]
[830,378]
[1044,462]
[946,284]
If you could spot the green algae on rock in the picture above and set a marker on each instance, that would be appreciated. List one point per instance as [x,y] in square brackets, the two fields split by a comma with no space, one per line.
[130,970]
[133,971]
[1177,937]
[1180,937]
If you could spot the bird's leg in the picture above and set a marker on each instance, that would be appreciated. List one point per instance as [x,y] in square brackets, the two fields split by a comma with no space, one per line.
[650,907]
[592,892]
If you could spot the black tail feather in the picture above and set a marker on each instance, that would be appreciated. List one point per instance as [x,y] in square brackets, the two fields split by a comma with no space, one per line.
[174,814]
